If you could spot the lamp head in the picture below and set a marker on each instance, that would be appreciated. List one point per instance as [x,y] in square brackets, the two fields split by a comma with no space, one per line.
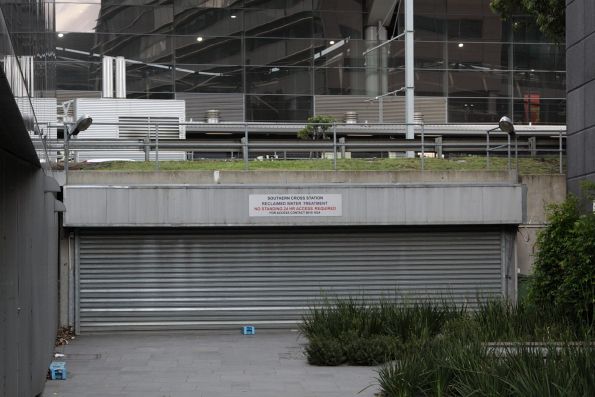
[82,124]
[506,125]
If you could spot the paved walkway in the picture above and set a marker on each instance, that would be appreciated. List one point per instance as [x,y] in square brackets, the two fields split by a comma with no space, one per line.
[202,364]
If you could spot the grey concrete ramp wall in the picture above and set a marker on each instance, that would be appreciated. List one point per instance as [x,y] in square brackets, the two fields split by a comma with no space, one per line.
[234,205]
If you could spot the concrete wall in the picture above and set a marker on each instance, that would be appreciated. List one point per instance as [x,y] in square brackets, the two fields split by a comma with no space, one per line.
[282,177]
[28,275]
[580,68]
[542,190]
[230,205]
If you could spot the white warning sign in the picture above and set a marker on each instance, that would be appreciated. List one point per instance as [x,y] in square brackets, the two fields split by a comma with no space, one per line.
[309,204]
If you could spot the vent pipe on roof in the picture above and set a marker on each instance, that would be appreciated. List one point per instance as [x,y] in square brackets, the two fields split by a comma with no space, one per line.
[107,82]
[120,77]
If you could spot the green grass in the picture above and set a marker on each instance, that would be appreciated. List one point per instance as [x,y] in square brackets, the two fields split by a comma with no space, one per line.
[549,165]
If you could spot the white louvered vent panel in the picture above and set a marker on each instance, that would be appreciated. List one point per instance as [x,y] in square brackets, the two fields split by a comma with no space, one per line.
[134,127]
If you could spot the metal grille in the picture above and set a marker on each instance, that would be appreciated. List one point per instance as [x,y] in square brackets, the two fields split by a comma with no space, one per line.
[215,279]
[134,127]
[393,108]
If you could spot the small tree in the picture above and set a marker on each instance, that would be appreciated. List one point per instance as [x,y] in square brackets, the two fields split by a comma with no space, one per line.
[316,128]
[564,275]
[549,15]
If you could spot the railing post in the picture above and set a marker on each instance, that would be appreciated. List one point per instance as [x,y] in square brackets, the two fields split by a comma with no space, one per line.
[157,147]
[245,148]
[508,136]
[147,143]
[66,151]
[488,150]
[342,144]
[560,151]
[423,149]
[335,146]
[438,146]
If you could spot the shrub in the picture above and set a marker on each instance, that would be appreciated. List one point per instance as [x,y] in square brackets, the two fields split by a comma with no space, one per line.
[316,128]
[564,270]
[371,350]
[323,350]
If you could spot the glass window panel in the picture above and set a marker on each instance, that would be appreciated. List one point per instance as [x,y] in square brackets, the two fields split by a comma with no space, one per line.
[278,108]
[472,84]
[342,81]
[478,56]
[525,30]
[429,27]
[338,25]
[116,18]
[477,110]
[338,53]
[208,78]
[278,23]
[430,7]
[135,48]
[294,5]
[209,22]
[267,51]
[428,55]
[535,110]
[429,83]
[540,84]
[185,4]
[140,48]
[466,7]
[210,50]
[77,17]
[77,46]
[342,5]
[278,80]
[477,28]
[149,78]
[549,57]
[78,75]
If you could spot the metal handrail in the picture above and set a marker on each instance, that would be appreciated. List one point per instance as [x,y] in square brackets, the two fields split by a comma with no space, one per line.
[153,142]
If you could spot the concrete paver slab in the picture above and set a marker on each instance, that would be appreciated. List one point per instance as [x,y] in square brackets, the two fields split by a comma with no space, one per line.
[202,364]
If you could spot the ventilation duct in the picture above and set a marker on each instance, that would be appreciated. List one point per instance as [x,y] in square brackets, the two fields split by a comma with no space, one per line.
[108,77]
[350,117]
[212,116]
[120,77]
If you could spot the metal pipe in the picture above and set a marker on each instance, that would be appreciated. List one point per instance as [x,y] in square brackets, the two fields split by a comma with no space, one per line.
[409,72]
[423,154]
[383,44]
[246,149]
[371,62]
[508,145]
[560,150]
[120,77]
[335,147]
[107,82]
[488,149]
[157,147]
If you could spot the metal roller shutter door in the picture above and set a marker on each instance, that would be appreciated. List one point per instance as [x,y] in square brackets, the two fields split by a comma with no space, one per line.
[135,280]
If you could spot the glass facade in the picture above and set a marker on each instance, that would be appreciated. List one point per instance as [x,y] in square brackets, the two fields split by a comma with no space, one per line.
[281,54]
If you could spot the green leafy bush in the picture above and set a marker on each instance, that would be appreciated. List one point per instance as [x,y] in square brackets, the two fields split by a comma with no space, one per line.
[324,350]
[564,270]
[316,128]
[371,350]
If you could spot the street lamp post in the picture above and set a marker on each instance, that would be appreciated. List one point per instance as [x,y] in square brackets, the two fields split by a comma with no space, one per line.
[507,126]
[82,124]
